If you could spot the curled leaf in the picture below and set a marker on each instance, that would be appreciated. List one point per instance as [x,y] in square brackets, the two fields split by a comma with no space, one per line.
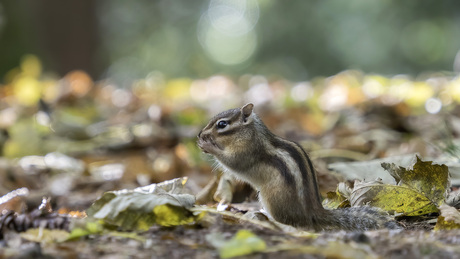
[430,179]
[419,190]
[453,199]
[392,198]
[143,207]
[339,198]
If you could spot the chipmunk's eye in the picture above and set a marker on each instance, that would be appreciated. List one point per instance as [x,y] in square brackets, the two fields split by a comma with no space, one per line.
[222,124]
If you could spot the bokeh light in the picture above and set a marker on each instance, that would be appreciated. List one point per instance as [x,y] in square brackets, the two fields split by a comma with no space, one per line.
[226,30]
[433,105]
[334,97]
[302,92]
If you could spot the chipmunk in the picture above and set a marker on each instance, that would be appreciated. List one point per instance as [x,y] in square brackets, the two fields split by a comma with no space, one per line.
[281,171]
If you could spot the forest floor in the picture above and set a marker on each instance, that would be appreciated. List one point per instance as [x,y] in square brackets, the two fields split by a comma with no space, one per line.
[65,155]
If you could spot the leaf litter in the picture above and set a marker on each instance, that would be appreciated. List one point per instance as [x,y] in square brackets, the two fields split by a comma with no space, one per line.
[88,147]
[165,204]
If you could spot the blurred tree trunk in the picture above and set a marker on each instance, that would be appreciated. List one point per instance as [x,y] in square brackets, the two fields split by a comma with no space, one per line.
[69,33]
[64,34]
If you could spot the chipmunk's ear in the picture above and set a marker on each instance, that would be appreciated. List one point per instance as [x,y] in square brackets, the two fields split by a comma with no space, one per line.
[246,111]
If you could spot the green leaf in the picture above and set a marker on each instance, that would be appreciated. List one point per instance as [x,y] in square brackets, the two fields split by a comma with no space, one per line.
[143,207]
[243,243]
[431,180]
[392,198]
[91,227]
[85,227]
[77,233]
[419,190]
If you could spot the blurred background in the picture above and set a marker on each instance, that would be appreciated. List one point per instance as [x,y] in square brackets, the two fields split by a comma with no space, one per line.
[297,41]
[104,95]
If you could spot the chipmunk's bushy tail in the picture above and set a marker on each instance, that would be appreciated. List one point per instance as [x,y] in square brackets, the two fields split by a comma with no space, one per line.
[357,219]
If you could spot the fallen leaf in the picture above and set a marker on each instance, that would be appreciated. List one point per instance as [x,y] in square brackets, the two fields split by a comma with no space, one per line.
[43,235]
[430,179]
[225,189]
[453,199]
[90,227]
[370,170]
[419,190]
[143,207]
[449,218]
[392,198]
[339,198]
[243,243]
[85,227]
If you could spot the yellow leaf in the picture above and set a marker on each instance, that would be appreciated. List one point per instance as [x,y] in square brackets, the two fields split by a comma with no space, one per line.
[178,88]
[429,179]
[243,243]
[45,235]
[339,198]
[143,207]
[27,90]
[420,92]
[168,215]
[94,227]
[449,218]
[77,233]
[334,200]
[453,89]
[393,198]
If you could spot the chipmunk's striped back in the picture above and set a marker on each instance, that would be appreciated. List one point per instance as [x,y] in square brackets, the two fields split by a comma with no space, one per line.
[280,170]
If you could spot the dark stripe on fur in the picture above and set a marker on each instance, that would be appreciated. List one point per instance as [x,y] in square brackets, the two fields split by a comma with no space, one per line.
[312,170]
[279,164]
[229,132]
[297,157]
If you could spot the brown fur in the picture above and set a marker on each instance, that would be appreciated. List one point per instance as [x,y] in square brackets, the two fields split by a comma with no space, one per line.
[281,171]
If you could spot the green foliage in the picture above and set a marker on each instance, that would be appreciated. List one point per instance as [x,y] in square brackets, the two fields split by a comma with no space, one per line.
[89,227]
